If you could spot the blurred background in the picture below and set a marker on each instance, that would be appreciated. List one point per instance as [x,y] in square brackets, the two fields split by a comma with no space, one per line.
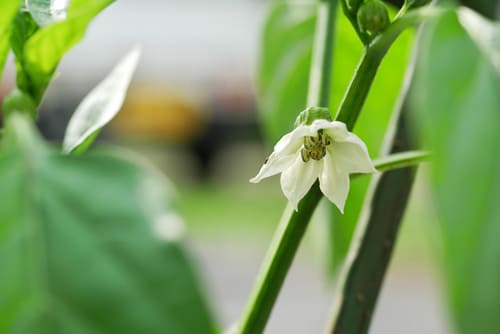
[191,110]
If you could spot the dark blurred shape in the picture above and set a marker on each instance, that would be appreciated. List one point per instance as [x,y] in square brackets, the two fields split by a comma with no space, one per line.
[488,8]
[397,3]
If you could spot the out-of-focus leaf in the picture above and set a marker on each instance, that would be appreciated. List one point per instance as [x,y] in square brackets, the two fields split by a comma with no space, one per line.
[100,105]
[8,10]
[90,244]
[485,33]
[42,51]
[457,102]
[283,84]
[284,65]
[46,12]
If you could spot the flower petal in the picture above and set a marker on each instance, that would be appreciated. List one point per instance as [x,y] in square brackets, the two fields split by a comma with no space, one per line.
[337,131]
[290,142]
[298,179]
[275,164]
[351,155]
[334,183]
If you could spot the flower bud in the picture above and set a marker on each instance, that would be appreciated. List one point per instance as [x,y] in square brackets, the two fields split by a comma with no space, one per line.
[311,114]
[373,16]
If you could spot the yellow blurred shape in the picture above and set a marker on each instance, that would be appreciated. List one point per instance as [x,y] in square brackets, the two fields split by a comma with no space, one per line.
[154,113]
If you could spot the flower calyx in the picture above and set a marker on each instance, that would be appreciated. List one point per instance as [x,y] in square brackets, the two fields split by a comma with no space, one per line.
[311,114]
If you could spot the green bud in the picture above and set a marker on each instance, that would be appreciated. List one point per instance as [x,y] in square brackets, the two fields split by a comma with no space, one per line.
[373,17]
[18,101]
[311,114]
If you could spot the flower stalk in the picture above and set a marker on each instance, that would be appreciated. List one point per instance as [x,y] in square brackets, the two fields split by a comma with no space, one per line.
[291,230]
[293,226]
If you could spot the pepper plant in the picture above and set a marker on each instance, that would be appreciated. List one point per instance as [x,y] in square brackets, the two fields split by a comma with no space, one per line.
[355,93]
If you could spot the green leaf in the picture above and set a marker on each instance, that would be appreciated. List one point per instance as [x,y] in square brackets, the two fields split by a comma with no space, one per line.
[8,10]
[90,244]
[457,102]
[485,33]
[283,84]
[100,105]
[284,66]
[42,51]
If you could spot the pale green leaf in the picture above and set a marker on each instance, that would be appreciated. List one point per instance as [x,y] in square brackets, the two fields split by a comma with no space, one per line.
[485,33]
[101,104]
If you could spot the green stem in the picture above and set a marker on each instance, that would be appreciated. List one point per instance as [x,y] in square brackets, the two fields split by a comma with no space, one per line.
[277,263]
[372,247]
[321,65]
[291,231]
[359,87]
[401,160]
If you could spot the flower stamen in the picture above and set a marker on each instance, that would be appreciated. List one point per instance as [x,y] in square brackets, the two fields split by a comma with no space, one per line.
[314,147]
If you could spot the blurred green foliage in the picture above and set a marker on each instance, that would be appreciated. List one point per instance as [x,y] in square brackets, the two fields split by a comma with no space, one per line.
[39,50]
[8,10]
[457,104]
[89,244]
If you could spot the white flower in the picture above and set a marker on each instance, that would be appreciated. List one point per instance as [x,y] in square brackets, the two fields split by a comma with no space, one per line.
[324,150]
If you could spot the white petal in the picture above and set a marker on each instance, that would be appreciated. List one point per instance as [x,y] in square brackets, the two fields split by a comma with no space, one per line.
[335,130]
[298,179]
[351,155]
[291,142]
[274,165]
[334,183]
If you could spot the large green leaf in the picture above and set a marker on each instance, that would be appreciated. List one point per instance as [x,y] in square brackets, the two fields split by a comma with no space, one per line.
[100,106]
[283,85]
[89,244]
[8,10]
[457,102]
[41,51]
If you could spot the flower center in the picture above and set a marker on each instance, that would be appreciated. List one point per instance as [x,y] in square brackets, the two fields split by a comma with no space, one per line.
[315,146]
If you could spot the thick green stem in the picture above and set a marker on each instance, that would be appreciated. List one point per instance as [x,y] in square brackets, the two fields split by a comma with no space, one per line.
[371,250]
[291,230]
[376,234]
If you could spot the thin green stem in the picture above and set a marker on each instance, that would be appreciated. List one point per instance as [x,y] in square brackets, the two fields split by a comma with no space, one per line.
[292,228]
[359,87]
[277,263]
[401,160]
[321,65]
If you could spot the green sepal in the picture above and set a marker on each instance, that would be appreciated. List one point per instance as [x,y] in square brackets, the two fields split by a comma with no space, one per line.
[311,114]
